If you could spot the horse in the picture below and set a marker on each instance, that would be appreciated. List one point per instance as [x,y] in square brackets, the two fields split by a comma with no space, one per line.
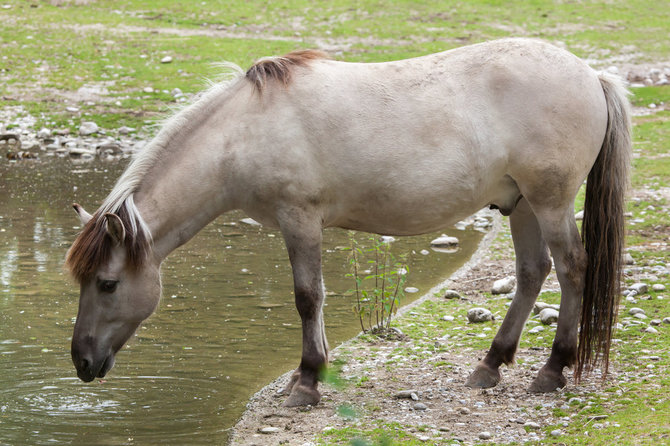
[302,142]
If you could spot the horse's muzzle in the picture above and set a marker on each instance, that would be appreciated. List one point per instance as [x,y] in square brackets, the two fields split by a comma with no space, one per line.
[88,365]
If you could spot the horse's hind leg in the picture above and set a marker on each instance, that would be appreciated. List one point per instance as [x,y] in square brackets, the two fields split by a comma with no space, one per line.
[560,231]
[303,242]
[532,267]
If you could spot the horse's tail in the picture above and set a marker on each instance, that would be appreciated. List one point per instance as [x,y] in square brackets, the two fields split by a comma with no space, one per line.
[603,230]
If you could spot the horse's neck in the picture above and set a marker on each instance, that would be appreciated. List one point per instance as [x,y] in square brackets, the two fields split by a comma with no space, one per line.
[186,189]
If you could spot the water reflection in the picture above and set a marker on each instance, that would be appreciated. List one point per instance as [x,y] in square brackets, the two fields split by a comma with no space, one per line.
[225,327]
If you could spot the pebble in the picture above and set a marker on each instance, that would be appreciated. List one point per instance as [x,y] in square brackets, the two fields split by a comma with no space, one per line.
[633,311]
[420,406]
[548,316]
[503,286]
[556,433]
[88,128]
[539,306]
[651,330]
[250,221]
[640,316]
[628,259]
[537,329]
[407,394]
[463,410]
[166,59]
[486,435]
[639,287]
[444,241]
[666,320]
[579,215]
[269,430]
[658,287]
[531,425]
[411,289]
[447,318]
[424,252]
[655,322]
[451,294]
[479,314]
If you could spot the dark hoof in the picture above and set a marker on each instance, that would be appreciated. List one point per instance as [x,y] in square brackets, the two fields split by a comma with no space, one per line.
[302,396]
[483,377]
[548,381]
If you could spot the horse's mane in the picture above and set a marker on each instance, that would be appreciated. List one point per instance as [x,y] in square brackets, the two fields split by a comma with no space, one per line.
[280,68]
[93,246]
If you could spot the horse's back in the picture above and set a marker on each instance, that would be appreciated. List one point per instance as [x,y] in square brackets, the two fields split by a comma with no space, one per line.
[408,146]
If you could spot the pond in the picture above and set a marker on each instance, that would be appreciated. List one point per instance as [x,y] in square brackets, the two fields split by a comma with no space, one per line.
[225,327]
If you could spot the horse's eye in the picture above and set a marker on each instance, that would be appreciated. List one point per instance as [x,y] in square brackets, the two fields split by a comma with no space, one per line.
[108,286]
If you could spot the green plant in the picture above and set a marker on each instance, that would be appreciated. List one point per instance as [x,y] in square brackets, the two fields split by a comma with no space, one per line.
[376,304]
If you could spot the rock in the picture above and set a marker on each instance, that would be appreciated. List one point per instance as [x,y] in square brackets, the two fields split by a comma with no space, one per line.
[411,289]
[447,318]
[579,215]
[639,287]
[80,152]
[628,259]
[539,306]
[420,406]
[531,425]
[125,130]
[651,330]
[387,239]
[556,433]
[451,294]
[176,93]
[503,286]
[444,241]
[537,329]
[633,311]
[44,133]
[88,128]
[658,287]
[463,410]
[486,435]
[407,394]
[148,90]
[424,252]
[548,316]
[166,59]
[655,322]
[640,316]
[250,221]
[110,148]
[479,314]
[666,320]
[269,430]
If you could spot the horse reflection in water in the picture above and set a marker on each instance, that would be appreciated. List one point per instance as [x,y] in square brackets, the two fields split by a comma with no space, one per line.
[302,142]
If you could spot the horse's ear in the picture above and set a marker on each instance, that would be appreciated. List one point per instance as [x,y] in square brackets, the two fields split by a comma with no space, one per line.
[115,229]
[84,216]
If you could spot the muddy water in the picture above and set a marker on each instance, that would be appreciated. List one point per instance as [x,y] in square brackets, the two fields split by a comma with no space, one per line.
[225,327]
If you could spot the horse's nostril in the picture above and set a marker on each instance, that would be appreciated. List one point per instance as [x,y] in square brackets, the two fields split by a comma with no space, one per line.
[85,363]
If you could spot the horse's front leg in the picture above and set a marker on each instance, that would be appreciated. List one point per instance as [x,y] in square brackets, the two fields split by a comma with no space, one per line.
[302,235]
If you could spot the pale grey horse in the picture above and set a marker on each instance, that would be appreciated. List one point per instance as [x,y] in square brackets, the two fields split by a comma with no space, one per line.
[302,142]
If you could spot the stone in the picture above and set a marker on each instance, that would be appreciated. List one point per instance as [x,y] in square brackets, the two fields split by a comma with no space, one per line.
[176,93]
[539,306]
[420,406]
[628,259]
[148,89]
[531,425]
[639,287]
[479,314]
[250,222]
[658,287]
[125,130]
[537,329]
[88,128]
[424,252]
[579,215]
[444,241]
[407,394]
[447,318]
[269,430]
[655,322]
[166,59]
[666,320]
[633,311]
[486,435]
[463,410]
[44,133]
[556,433]
[650,329]
[411,289]
[548,316]
[640,316]
[503,286]
[451,294]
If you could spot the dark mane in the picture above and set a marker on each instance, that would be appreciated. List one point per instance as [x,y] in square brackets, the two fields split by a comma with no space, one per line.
[93,245]
[281,68]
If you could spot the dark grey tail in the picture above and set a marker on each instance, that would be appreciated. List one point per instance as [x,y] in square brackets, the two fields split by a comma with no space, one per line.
[603,230]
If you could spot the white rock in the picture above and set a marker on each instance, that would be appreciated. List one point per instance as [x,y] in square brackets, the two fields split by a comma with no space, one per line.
[666,320]
[444,241]
[640,316]
[148,89]
[658,287]
[537,329]
[539,306]
[250,221]
[548,316]
[651,330]
[486,435]
[166,59]
[451,294]
[628,259]
[633,311]
[269,430]
[44,133]
[503,286]
[479,314]
[88,128]
[388,239]
[579,215]
[424,252]
[639,287]
[531,425]
[447,318]
[411,289]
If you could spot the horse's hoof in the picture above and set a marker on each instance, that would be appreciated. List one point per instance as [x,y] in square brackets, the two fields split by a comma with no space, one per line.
[302,396]
[483,377]
[547,381]
[291,383]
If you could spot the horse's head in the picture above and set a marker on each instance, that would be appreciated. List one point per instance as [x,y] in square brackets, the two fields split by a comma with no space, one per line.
[120,287]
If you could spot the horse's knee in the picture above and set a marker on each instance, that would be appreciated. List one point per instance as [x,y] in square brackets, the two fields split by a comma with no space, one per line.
[308,300]
[531,274]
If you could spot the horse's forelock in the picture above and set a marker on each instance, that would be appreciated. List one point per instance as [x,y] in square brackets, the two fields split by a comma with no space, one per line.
[93,246]
[280,68]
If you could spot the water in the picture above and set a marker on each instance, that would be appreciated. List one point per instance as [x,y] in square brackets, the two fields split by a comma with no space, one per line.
[226,325]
